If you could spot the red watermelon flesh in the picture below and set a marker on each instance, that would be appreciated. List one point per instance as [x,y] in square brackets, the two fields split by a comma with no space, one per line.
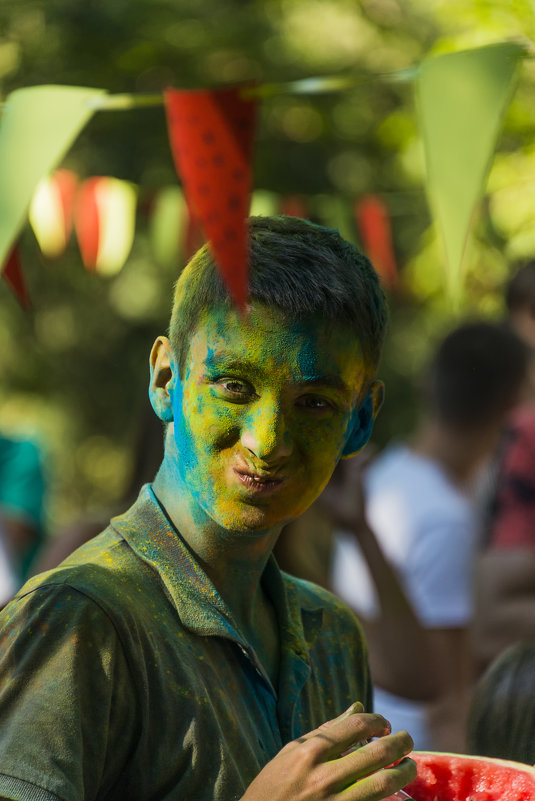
[455,777]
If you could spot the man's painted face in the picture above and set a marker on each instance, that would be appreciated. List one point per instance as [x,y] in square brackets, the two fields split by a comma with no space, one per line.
[262,414]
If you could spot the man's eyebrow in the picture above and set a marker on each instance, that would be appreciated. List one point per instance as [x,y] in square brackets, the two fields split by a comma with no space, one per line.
[333,381]
[226,361]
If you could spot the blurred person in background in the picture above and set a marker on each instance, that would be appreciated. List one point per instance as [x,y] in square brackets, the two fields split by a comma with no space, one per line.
[146,458]
[420,506]
[505,598]
[501,721]
[22,497]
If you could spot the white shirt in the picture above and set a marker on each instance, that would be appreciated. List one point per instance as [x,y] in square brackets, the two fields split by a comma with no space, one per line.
[427,529]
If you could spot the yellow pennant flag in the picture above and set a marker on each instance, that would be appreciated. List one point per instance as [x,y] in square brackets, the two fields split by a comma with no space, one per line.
[50,212]
[116,204]
[37,127]
[462,99]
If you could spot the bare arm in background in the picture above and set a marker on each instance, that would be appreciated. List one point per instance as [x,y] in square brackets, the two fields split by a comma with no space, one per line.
[505,601]
[406,658]
[401,659]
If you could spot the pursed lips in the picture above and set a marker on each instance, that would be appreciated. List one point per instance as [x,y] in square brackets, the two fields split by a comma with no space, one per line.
[258,481]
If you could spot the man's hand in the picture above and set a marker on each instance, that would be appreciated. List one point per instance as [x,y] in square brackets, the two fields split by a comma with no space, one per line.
[343,497]
[327,764]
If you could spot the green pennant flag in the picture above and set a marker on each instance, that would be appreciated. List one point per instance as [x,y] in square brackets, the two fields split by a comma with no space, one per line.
[167,227]
[462,99]
[37,127]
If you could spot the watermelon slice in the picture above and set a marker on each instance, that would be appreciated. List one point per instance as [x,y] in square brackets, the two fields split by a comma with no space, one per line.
[455,777]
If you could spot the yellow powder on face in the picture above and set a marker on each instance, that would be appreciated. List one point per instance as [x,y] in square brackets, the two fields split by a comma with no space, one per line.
[244,402]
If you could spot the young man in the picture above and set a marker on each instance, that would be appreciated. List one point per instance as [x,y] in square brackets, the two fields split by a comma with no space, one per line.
[169,657]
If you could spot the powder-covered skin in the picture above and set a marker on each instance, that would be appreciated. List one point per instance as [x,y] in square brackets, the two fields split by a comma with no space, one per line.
[261,395]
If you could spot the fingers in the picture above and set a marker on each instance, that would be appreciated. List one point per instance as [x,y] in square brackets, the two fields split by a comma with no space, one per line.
[318,765]
[334,737]
[374,756]
[355,754]
[382,784]
[355,709]
[354,729]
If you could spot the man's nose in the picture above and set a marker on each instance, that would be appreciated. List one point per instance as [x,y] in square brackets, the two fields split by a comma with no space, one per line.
[265,433]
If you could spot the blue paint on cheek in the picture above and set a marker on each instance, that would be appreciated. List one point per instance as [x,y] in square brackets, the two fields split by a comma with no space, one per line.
[187,457]
[190,461]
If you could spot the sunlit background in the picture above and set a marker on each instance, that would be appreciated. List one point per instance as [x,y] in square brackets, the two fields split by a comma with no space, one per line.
[73,368]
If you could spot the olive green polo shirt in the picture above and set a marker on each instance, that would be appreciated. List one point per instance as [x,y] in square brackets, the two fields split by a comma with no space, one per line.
[124,676]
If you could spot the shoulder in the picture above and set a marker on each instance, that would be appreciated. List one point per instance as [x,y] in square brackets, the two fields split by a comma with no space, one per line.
[103,573]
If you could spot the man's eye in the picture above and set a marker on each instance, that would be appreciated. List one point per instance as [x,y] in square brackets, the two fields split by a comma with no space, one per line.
[236,388]
[314,402]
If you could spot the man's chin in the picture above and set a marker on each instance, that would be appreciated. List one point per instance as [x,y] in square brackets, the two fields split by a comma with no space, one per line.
[253,520]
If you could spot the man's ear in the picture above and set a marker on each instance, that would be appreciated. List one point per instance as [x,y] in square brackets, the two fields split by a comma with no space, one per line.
[363,418]
[163,376]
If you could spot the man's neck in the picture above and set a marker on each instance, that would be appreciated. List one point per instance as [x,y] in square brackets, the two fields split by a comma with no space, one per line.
[460,454]
[233,561]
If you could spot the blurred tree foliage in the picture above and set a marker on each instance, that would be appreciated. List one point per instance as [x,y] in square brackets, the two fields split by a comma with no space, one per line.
[74,369]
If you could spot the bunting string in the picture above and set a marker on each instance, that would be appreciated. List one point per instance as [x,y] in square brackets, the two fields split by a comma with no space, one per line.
[462,98]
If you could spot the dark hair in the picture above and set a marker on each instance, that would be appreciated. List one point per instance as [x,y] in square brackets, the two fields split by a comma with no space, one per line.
[297,266]
[520,291]
[501,721]
[476,374]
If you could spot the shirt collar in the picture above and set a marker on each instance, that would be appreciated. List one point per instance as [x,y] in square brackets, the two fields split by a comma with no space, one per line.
[151,535]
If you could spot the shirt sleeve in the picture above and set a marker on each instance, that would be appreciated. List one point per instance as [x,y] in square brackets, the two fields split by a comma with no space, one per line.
[67,701]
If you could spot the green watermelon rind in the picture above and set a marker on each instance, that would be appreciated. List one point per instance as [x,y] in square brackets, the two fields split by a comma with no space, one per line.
[461,777]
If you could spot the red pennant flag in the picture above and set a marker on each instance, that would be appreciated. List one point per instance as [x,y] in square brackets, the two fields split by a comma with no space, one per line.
[66,182]
[14,277]
[211,134]
[105,223]
[293,206]
[86,222]
[373,222]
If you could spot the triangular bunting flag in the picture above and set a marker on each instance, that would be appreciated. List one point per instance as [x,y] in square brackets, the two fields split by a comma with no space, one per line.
[293,206]
[116,203]
[37,127]
[264,203]
[87,223]
[168,225]
[14,277]
[105,223]
[462,100]
[373,222]
[211,135]
[51,212]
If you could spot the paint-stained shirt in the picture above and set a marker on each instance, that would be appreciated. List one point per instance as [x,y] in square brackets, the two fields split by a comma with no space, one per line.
[124,676]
